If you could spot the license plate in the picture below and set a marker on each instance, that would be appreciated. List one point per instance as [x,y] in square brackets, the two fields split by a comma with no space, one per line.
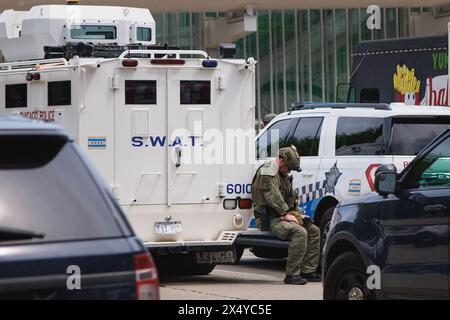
[218,257]
[168,227]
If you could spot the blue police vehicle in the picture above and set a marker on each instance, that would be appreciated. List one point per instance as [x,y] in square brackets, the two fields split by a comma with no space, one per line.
[394,243]
[62,235]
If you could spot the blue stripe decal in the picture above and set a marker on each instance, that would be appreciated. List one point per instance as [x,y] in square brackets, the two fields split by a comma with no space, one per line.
[97,145]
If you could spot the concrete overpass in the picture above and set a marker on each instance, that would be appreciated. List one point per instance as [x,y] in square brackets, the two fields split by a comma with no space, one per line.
[158,6]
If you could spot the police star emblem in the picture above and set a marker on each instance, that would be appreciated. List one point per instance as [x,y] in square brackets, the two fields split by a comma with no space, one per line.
[331,178]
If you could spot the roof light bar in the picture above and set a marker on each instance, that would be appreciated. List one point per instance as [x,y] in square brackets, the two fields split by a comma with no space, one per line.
[130,63]
[209,63]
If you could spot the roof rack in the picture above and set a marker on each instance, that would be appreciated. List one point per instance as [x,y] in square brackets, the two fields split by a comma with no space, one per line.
[113,50]
[320,105]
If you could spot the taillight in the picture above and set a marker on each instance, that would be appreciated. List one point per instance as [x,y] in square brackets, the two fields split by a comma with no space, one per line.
[370,175]
[130,63]
[245,203]
[33,76]
[230,204]
[168,61]
[147,284]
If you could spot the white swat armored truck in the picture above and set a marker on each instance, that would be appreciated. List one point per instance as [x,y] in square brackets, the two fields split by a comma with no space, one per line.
[160,124]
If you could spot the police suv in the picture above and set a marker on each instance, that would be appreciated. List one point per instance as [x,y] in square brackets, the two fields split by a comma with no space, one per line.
[340,147]
[145,114]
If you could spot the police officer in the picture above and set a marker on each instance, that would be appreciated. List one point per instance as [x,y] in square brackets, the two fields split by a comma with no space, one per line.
[267,118]
[273,195]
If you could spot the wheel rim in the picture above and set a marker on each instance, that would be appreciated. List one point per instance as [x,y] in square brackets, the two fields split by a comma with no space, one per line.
[351,286]
[355,293]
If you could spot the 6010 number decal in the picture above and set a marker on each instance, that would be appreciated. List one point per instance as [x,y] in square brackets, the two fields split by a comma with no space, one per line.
[244,188]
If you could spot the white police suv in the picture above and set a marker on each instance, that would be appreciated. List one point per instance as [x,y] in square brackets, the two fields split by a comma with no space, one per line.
[341,146]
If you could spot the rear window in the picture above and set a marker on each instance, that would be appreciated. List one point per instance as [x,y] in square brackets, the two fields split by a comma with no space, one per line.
[195,92]
[16,95]
[46,188]
[140,91]
[59,93]
[359,136]
[409,136]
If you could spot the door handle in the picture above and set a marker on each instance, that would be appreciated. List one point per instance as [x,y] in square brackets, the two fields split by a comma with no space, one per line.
[308,174]
[434,208]
[178,152]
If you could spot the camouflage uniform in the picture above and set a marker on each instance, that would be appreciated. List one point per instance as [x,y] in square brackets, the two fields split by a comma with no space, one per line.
[273,192]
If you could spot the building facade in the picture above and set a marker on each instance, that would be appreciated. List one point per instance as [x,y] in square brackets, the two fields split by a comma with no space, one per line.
[303,55]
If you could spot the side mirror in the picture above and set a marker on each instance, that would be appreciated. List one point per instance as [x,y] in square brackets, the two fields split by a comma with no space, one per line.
[386,179]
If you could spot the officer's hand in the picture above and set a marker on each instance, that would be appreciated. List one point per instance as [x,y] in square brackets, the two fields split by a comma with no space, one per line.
[290,218]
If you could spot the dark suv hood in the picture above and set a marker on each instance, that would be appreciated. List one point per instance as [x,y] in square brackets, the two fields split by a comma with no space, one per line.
[369,197]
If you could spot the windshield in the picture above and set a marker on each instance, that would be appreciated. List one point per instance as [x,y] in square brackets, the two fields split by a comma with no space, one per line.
[47,189]
[410,135]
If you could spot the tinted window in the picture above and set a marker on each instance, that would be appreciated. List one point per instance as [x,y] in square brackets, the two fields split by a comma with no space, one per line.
[16,95]
[359,136]
[140,91]
[144,34]
[369,96]
[425,130]
[59,93]
[46,188]
[195,92]
[273,139]
[94,32]
[433,170]
[306,136]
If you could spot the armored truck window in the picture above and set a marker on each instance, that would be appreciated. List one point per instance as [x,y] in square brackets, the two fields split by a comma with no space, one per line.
[94,32]
[359,136]
[195,92]
[424,130]
[273,139]
[16,95]
[306,136]
[143,34]
[59,93]
[140,91]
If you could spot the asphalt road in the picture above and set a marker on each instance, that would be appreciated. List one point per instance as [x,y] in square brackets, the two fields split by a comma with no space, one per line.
[253,278]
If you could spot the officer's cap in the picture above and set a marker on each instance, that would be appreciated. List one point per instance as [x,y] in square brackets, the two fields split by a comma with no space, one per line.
[291,156]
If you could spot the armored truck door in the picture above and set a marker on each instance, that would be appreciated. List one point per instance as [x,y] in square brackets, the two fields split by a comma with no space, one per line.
[140,142]
[195,136]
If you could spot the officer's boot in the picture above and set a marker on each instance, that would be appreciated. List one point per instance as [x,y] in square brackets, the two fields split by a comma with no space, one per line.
[293,279]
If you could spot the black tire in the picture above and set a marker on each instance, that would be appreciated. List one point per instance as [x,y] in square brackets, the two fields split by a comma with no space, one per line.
[346,278]
[181,265]
[324,226]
